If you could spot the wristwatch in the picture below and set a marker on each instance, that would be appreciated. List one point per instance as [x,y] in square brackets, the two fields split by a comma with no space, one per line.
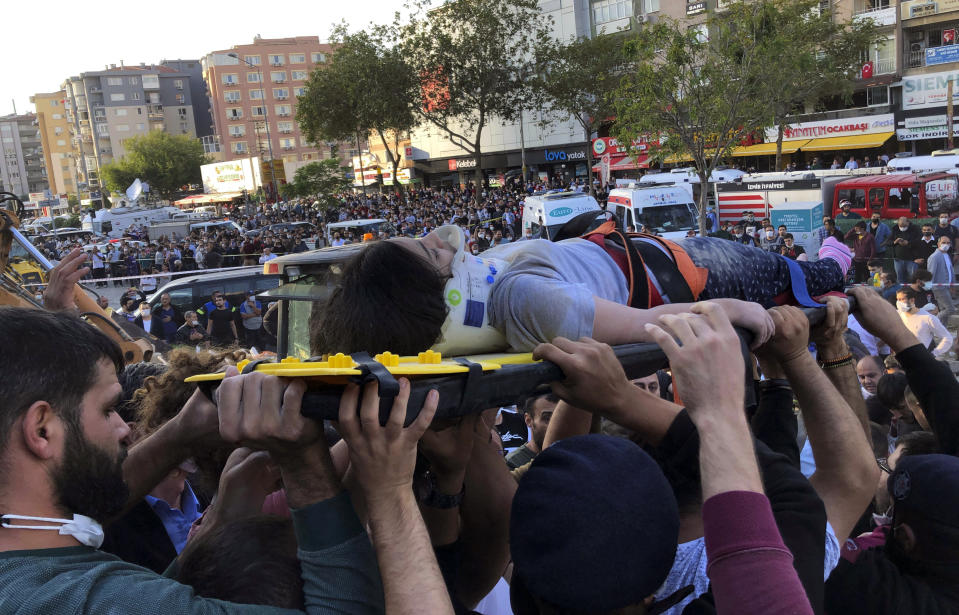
[435,499]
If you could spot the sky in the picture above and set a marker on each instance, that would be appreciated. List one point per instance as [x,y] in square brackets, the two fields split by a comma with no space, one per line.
[43,43]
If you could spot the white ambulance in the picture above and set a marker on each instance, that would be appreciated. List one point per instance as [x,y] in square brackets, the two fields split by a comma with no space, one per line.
[668,211]
[544,214]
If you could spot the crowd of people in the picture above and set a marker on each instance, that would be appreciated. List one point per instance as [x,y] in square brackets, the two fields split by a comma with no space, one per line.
[827,485]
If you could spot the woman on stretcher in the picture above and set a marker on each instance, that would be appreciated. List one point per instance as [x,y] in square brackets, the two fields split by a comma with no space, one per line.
[406,295]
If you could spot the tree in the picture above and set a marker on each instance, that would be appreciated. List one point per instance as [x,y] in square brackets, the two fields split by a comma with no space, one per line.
[367,87]
[810,55]
[700,95]
[583,75]
[473,60]
[322,180]
[166,162]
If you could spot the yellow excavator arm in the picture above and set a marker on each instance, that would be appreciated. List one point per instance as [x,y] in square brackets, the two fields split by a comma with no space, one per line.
[14,294]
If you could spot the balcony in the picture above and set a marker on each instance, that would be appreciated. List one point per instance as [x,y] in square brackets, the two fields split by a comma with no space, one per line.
[233,118]
[881,15]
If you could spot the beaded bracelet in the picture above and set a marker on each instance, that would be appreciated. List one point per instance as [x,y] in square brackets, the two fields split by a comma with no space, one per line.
[834,363]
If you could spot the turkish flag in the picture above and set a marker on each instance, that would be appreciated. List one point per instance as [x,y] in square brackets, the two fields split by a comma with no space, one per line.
[949,36]
[867,70]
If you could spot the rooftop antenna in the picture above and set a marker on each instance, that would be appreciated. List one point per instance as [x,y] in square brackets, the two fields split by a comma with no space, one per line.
[14,102]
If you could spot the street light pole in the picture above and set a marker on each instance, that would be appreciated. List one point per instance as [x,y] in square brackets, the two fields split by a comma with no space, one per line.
[266,120]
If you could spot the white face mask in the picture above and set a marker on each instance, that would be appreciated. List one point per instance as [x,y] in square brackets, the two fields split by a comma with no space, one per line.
[945,247]
[902,306]
[84,529]
[194,323]
[943,221]
[770,234]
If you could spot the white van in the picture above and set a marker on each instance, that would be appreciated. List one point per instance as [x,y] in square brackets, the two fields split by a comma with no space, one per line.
[688,175]
[668,211]
[545,214]
[946,161]
[222,225]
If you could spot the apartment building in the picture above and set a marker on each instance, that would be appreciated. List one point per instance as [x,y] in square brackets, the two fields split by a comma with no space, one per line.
[55,138]
[22,170]
[202,119]
[106,108]
[252,93]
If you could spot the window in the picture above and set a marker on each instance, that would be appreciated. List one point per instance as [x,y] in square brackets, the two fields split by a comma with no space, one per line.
[701,31]
[650,6]
[299,91]
[181,112]
[121,112]
[114,81]
[57,116]
[277,59]
[256,94]
[258,111]
[61,142]
[150,82]
[605,11]
[237,131]
[253,77]
[230,78]
[285,127]
[283,110]
[180,99]
[136,96]
[318,58]
[139,110]
[299,75]
[304,142]
[287,143]
[154,98]
[103,130]
[234,113]
[135,80]
[140,127]
[877,95]
[232,96]
[178,84]
[58,131]
[54,103]
[254,60]
[118,97]
[238,147]
[297,58]
[281,93]
[855,196]
[123,128]
[278,76]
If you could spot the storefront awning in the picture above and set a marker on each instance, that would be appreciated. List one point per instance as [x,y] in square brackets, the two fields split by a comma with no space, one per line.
[769,149]
[842,143]
[628,164]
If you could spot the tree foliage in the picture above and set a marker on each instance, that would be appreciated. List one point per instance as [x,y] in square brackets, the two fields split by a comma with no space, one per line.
[582,76]
[811,55]
[367,87]
[166,162]
[473,60]
[322,180]
[699,95]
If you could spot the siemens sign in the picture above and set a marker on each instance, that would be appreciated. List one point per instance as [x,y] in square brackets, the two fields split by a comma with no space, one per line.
[561,156]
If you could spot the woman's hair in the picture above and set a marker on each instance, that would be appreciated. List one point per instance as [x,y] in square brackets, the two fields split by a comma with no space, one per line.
[162,397]
[388,298]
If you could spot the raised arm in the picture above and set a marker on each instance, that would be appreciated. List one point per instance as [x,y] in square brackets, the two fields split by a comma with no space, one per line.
[749,566]
[383,459]
[846,471]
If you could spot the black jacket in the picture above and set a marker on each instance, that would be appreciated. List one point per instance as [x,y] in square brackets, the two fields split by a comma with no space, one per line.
[912,234]
[139,537]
